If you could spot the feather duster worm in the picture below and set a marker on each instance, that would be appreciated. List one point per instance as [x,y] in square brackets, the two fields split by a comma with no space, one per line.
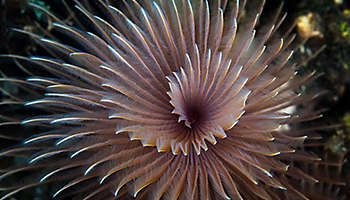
[173,99]
[324,181]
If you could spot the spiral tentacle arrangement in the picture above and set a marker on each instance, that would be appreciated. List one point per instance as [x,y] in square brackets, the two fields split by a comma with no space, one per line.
[165,99]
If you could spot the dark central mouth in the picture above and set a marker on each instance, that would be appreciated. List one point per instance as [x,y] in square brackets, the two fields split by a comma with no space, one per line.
[195,115]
